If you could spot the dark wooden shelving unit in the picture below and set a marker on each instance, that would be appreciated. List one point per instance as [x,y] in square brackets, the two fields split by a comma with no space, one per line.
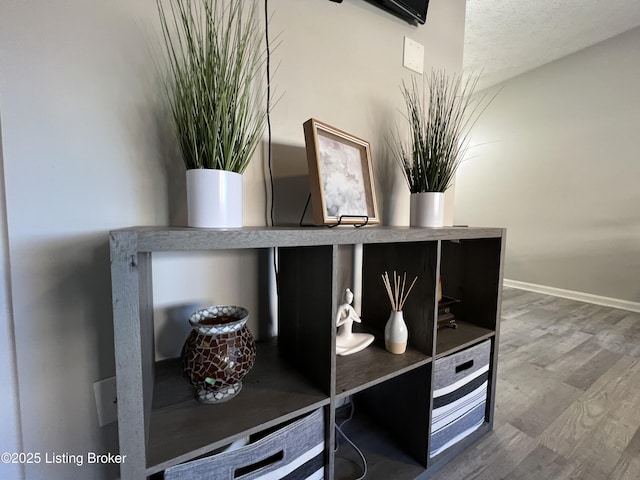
[160,423]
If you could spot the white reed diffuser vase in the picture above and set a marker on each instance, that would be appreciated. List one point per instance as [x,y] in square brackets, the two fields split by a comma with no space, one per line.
[396,334]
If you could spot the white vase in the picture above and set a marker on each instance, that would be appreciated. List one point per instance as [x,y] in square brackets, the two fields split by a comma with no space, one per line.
[395,333]
[427,209]
[214,198]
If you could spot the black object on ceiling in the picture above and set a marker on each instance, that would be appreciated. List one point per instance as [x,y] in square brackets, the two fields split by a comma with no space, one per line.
[412,11]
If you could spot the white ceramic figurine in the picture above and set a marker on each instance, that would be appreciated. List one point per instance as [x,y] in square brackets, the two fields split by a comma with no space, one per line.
[348,342]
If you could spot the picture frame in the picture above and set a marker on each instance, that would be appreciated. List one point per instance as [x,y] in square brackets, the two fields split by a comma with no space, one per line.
[341,177]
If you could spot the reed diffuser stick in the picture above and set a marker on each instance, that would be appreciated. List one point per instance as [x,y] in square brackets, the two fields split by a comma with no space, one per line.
[387,284]
[408,292]
[395,291]
[398,293]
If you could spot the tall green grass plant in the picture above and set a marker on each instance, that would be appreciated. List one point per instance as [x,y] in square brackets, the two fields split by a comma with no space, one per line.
[214,56]
[440,115]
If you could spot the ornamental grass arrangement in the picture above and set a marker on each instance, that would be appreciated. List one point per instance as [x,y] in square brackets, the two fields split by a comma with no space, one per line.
[440,115]
[215,57]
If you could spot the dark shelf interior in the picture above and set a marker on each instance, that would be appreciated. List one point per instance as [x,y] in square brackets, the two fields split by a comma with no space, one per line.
[470,272]
[306,310]
[385,459]
[450,340]
[416,259]
[182,429]
[374,365]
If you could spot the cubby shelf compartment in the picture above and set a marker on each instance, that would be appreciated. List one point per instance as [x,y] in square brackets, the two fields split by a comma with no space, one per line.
[373,365]
[182,429]
[159,422]
[451,340]
[385,459]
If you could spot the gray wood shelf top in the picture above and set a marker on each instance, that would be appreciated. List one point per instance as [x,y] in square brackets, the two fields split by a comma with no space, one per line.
[451,340]
[182,429]
[373,365]
[156,239]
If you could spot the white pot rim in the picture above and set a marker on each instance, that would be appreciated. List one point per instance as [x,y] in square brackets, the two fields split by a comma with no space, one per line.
[231,172]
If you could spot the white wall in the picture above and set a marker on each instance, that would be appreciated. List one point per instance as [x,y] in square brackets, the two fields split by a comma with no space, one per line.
[85,152]
[9,414]
[342,64]
[558,165]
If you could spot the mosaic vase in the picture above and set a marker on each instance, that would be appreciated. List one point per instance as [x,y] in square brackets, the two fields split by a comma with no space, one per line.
[218,353]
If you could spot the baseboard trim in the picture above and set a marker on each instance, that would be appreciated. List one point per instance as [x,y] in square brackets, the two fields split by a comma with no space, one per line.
[573,295]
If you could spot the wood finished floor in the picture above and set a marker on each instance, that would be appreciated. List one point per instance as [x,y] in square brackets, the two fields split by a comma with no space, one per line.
[568,395]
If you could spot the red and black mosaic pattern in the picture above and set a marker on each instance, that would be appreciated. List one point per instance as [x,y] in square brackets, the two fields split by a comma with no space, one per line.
[216,363]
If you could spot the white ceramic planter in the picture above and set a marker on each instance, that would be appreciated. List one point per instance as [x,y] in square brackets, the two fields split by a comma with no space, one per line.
[214,198]
[427,209]
[395,333]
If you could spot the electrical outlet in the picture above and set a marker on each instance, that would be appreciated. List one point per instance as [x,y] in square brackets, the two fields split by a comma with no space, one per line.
[106,400]
[413,57]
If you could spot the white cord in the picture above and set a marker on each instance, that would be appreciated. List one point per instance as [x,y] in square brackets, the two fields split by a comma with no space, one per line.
[339,430]
[343,423]
[364,460]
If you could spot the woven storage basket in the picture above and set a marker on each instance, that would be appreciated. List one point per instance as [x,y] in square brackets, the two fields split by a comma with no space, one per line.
[459,395]
[295,451]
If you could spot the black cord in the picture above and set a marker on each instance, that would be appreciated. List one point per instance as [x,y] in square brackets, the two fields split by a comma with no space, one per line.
[269,141]
[266,36]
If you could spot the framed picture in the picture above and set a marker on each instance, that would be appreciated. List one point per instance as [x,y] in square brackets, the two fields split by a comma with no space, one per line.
[340,175]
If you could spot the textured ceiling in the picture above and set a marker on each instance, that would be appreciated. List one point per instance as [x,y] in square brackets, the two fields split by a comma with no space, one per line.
[504,38]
